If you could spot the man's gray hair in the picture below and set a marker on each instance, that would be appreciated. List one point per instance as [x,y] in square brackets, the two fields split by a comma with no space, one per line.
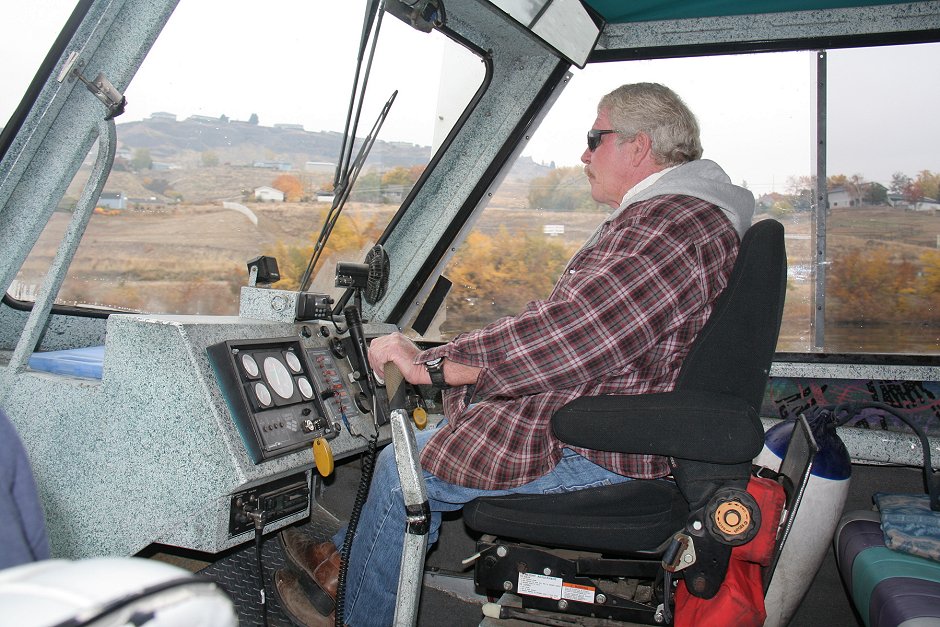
[658,112]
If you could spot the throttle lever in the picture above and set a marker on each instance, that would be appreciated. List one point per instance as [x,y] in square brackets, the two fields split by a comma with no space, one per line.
[394,386]
[354,324]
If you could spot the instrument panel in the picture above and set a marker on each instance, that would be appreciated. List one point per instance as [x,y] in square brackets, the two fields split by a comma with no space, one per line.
[270,390]
[283,396]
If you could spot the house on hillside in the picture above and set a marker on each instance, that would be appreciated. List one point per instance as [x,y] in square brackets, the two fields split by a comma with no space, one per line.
[899,201]
[283,166]
[268,194]
[872,193]
[205,119]
[112,200]
[320,167]
[842,197]
[924,204]
[927,204]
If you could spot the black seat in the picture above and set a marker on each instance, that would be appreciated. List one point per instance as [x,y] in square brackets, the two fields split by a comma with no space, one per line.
[708,425]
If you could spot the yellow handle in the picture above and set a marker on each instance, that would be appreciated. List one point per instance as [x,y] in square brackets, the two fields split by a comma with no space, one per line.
[323,456]
[420,416]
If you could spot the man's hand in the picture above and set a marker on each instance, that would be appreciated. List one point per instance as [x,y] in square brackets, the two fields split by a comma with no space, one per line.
[401,351]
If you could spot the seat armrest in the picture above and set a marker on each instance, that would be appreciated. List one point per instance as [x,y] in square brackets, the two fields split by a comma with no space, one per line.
[691,424]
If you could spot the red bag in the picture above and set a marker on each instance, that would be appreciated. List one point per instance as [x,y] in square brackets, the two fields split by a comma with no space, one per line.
[740,599]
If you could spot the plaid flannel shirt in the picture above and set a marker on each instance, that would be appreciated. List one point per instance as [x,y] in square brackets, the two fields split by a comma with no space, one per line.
[620,320]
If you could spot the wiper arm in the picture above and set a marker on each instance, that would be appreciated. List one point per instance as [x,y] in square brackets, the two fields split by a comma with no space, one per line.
[372,15]
[339,200]
[346,173]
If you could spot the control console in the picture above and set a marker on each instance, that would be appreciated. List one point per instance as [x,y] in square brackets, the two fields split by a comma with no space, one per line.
[286,392]
[279,400]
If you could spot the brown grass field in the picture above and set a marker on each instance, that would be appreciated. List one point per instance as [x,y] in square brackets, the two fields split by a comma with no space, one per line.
[190,258]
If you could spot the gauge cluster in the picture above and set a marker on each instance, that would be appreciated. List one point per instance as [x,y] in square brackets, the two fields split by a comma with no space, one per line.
[281,398]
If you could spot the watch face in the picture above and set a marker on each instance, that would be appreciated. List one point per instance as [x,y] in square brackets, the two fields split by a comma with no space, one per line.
[435,369]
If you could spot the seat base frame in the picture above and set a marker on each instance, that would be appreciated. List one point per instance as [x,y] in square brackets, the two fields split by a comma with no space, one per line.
[572,582]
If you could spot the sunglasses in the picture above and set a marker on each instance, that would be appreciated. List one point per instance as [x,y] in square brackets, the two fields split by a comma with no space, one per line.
[594,138]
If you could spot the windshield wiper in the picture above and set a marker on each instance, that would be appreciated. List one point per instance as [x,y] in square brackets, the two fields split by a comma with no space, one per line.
[339,200]
[347,172]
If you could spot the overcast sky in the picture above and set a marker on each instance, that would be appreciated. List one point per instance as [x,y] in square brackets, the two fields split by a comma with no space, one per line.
[755,110]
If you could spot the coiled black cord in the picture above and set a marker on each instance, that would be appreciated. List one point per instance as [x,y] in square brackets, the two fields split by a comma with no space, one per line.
[365,481]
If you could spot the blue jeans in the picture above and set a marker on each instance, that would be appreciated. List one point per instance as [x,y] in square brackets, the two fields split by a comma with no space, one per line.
[375,559]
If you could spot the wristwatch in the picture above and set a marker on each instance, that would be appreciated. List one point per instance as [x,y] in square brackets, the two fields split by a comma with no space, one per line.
[435,369]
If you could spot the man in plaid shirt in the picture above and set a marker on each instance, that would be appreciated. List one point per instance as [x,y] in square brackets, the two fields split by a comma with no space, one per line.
[620,320]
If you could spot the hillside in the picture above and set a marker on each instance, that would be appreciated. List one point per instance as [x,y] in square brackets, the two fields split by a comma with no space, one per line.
[183,143]
[201,160]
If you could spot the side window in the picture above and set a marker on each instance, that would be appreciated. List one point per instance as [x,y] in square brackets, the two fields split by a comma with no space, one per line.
[883,222]
[876,290]
[228,150]
[758,131]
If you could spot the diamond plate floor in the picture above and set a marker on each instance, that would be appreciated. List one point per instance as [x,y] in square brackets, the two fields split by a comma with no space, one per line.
[237,573]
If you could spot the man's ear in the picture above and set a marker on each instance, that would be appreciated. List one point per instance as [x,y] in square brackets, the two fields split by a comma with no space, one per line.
[643,147]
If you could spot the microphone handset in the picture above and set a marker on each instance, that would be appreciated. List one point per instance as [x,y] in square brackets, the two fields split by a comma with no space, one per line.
[357,335]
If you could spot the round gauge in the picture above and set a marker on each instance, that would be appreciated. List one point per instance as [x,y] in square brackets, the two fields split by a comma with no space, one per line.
[250,365]
[263,394]
[292,362]
[278,377]
[305,388]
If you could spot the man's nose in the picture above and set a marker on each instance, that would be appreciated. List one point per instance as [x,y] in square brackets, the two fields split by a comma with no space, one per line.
[586,156]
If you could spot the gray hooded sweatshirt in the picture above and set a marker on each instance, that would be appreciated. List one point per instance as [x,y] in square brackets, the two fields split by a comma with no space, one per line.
[703,179]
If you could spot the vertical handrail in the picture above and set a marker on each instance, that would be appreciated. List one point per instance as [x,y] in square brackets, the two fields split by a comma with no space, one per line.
[55,276]
[818,313]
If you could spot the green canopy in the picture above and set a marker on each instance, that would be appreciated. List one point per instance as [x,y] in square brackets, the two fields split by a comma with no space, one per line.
[617,11]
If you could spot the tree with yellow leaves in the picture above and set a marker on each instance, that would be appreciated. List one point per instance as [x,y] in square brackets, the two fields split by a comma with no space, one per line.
[868,285]
[350,240]
[497,276]
[292,187]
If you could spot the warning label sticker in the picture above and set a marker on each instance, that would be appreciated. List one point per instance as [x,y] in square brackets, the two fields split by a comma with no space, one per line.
[554,588]
[540,585]
[574,592]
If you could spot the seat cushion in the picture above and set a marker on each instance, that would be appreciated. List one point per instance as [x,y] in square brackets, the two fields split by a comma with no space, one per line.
[887,587]
[630,517]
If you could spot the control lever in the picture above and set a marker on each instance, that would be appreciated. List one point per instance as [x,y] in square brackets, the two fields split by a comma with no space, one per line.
[394,387]
[354,324]
[680,554]
[415,495]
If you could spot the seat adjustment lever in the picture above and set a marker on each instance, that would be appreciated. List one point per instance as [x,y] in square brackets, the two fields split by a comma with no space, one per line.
[680,554]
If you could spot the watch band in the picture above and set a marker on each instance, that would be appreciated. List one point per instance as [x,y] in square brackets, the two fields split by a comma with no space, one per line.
[435,369]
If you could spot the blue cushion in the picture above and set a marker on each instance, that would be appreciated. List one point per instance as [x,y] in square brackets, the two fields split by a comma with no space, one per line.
[77,362]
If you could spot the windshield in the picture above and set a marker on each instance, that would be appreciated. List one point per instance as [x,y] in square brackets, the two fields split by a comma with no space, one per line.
[228,149]
[37,25]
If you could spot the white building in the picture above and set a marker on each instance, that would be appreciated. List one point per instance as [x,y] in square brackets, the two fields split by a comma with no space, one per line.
[112,200]
[265,193]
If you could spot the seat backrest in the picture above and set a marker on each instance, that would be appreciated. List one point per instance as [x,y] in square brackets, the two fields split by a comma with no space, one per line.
[720,360]
[712,414]
[731,357]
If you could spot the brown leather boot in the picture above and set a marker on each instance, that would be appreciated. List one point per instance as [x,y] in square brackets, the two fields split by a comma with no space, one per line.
[295,600]
[318,560]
